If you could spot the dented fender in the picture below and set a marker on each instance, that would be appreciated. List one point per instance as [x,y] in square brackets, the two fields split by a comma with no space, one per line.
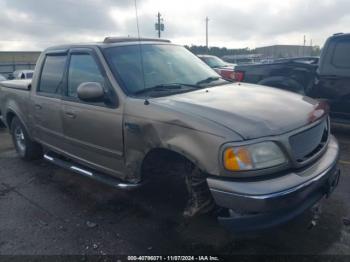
[149,126]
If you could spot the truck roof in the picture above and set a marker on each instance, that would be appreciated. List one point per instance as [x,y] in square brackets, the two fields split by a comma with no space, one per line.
[340,35]
[111,41]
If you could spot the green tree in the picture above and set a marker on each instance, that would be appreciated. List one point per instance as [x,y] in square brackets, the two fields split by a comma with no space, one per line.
[219,51]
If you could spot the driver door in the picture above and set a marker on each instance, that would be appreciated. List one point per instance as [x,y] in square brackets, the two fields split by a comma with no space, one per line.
[93,131]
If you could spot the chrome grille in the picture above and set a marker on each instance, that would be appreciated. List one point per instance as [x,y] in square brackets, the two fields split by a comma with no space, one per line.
[308,143]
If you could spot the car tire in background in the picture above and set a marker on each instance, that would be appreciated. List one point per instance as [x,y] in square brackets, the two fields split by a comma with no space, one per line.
[25,147]
[2,125]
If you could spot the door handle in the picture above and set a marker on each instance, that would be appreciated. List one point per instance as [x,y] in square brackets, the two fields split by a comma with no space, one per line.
[70,115]
[38,106]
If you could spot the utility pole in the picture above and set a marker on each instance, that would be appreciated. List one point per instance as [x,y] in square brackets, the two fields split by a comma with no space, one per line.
[304,45]
[159,24]
[206,32]
[159,15]
[311,47]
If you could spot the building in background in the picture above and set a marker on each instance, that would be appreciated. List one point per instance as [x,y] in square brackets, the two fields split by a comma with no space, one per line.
[11,61]
[284,51]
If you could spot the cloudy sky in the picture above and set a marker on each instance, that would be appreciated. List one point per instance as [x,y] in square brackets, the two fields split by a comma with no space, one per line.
[36,24]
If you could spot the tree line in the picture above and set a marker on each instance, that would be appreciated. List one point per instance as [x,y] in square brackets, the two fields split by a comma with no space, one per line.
[222,51]
[218,51]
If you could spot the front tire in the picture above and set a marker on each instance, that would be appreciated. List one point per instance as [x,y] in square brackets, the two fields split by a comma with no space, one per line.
[200,200]
[25,147]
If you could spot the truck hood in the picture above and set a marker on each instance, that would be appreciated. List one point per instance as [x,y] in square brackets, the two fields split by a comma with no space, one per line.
[252,111]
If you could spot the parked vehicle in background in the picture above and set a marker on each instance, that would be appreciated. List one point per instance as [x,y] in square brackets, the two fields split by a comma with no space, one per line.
[22,74]
[220,66]
[313,60]
[261,154]
[2,78]
[327,78]
[243,58]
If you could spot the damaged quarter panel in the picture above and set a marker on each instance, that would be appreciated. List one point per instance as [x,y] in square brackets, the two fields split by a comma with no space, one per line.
[156,125]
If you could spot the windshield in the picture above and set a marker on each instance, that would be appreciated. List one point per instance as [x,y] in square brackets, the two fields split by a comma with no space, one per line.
[162,65]
[214,62]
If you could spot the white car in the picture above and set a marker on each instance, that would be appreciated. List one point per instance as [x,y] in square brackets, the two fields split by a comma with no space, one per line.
[23,74]
[2,78]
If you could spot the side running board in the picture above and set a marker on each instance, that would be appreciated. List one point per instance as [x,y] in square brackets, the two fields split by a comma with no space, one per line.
[105,179]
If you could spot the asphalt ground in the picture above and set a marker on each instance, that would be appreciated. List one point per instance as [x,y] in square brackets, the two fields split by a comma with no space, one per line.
[46,210]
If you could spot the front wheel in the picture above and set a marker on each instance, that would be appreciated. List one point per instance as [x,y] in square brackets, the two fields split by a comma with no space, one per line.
[200,199]
[25,147]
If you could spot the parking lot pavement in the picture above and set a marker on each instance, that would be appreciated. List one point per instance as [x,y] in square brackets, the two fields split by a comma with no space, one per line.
[48,210]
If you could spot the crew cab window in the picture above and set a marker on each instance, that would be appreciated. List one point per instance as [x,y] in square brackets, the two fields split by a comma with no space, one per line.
[52,74]
[341,57]
[82,68]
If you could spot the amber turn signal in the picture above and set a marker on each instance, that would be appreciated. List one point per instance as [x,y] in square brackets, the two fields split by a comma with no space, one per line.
[236,159]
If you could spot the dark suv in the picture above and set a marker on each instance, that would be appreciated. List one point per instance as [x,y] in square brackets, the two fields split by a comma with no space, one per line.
[327,79]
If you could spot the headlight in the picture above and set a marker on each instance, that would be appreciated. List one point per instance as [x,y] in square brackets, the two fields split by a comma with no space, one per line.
[255,156]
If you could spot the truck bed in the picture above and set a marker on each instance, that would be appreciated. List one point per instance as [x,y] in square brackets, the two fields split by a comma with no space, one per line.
[16,94]
[301,71]
[17,84]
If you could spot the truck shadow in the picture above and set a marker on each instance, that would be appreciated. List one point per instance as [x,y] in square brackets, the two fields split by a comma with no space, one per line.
[160,205]
[152,216]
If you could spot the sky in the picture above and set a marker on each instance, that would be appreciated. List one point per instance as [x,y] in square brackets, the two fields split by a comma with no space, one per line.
[38,24]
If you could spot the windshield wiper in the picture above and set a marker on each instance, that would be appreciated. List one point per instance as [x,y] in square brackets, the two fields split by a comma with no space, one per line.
[165,87]
[208,80]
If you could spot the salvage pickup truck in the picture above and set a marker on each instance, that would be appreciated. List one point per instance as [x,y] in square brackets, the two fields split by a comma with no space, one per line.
[325,79]
[257,156]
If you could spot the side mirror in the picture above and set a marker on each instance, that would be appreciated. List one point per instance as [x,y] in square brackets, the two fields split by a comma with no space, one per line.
[90,92]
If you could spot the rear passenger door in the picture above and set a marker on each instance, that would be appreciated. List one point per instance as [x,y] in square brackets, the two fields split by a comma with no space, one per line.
[93,131]
[47,101]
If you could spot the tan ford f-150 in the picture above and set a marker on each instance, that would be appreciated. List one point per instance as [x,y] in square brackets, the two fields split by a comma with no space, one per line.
[109,110]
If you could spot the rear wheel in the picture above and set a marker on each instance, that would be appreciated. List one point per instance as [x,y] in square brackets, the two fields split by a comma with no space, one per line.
[25,147]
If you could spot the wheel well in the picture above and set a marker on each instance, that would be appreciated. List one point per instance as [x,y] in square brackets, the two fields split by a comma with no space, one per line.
[161,160]
[9,118]
[179,182]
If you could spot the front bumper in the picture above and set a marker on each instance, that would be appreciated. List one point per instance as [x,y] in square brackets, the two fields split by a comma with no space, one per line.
[267,203]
